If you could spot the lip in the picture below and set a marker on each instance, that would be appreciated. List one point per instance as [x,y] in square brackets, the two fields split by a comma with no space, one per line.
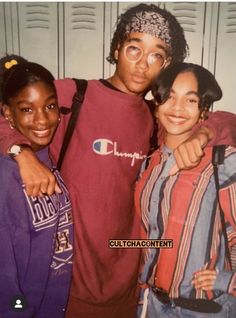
[139,78]
[177,120]
[41,133]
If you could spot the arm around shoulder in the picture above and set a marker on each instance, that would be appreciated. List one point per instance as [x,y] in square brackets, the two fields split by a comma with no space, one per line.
[222,126]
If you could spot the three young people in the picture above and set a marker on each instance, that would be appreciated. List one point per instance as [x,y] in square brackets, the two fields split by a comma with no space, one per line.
[110,142]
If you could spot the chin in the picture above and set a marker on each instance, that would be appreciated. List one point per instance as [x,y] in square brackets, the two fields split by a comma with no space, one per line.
[41,144]
[138,90]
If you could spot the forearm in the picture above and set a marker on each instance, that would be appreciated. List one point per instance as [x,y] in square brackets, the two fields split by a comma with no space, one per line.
[221,127]
[9,136]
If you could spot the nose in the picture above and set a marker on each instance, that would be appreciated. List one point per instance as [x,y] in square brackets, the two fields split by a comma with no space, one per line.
[177,103]
[40,117]
[143,62]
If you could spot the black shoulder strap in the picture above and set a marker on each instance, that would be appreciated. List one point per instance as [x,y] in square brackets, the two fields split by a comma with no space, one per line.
[218,156]
[77,101]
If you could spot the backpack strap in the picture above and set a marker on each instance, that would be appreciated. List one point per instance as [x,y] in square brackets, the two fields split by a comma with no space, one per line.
[78,98]
[218,156]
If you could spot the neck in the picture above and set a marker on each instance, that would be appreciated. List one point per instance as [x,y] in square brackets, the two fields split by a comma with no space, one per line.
[115,81]
[117,84]
[173,141]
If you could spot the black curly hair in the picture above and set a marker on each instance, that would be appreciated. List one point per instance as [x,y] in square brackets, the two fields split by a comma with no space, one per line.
[179,47]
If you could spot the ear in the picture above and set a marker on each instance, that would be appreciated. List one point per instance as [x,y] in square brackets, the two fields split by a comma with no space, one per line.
[7,113]
[156,110]
[116,53]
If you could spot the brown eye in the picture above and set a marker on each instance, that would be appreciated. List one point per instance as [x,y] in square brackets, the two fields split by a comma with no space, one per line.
[51,106]
[192,100]
[26,110]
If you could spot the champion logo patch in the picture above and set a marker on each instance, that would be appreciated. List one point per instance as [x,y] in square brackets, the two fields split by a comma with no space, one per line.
[106,147]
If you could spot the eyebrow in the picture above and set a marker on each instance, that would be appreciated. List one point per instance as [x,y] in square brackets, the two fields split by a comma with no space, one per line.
[188,93]
[25,101]
[159,46]
[192,92]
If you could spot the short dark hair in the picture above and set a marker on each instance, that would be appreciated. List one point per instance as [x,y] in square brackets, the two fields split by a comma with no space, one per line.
[179,47]
[22,75]
[209,90]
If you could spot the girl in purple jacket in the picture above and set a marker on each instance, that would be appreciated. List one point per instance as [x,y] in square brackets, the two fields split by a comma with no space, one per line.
[35,232]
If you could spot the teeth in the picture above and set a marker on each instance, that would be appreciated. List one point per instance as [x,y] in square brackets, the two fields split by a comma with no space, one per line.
[41,133]
[177,120]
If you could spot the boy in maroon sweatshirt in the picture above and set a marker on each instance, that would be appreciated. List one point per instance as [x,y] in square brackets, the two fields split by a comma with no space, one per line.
[111,139]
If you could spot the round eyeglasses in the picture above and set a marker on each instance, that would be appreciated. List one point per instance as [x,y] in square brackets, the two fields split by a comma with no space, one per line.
[134,53]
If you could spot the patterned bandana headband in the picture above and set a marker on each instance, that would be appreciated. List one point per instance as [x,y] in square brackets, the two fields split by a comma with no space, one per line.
[152,23]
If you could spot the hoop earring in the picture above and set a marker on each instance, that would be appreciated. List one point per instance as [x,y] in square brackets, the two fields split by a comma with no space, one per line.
[11,124]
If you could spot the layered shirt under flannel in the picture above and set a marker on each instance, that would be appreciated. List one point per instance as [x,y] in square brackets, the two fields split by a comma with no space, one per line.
[184,208]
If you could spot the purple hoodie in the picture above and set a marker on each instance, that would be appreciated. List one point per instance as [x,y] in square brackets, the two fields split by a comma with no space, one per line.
[35,246]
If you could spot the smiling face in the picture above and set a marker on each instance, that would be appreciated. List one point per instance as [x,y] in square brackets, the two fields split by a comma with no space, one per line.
[135,77]
[180,112]
[34,113]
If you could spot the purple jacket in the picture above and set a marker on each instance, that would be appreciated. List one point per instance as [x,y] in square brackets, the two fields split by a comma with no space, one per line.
[35,246]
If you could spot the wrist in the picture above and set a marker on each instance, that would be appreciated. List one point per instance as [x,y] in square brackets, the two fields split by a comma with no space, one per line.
[17,149]
[205,134]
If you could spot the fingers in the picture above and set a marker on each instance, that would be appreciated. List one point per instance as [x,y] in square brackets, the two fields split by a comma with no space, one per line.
[43,185]
[188,154]
[32,189]
[52,185]
[37,178]
[204,279]
[41,189]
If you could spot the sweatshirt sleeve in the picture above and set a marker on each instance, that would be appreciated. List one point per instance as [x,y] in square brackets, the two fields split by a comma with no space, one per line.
[9,284]
[223,125]
[9,276]
[65,91]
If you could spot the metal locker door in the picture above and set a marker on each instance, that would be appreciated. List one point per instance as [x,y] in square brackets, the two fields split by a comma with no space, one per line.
[38,33]
[225,53]
[83,39]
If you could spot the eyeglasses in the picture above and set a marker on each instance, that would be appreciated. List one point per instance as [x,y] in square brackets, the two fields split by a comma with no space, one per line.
[134,53]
